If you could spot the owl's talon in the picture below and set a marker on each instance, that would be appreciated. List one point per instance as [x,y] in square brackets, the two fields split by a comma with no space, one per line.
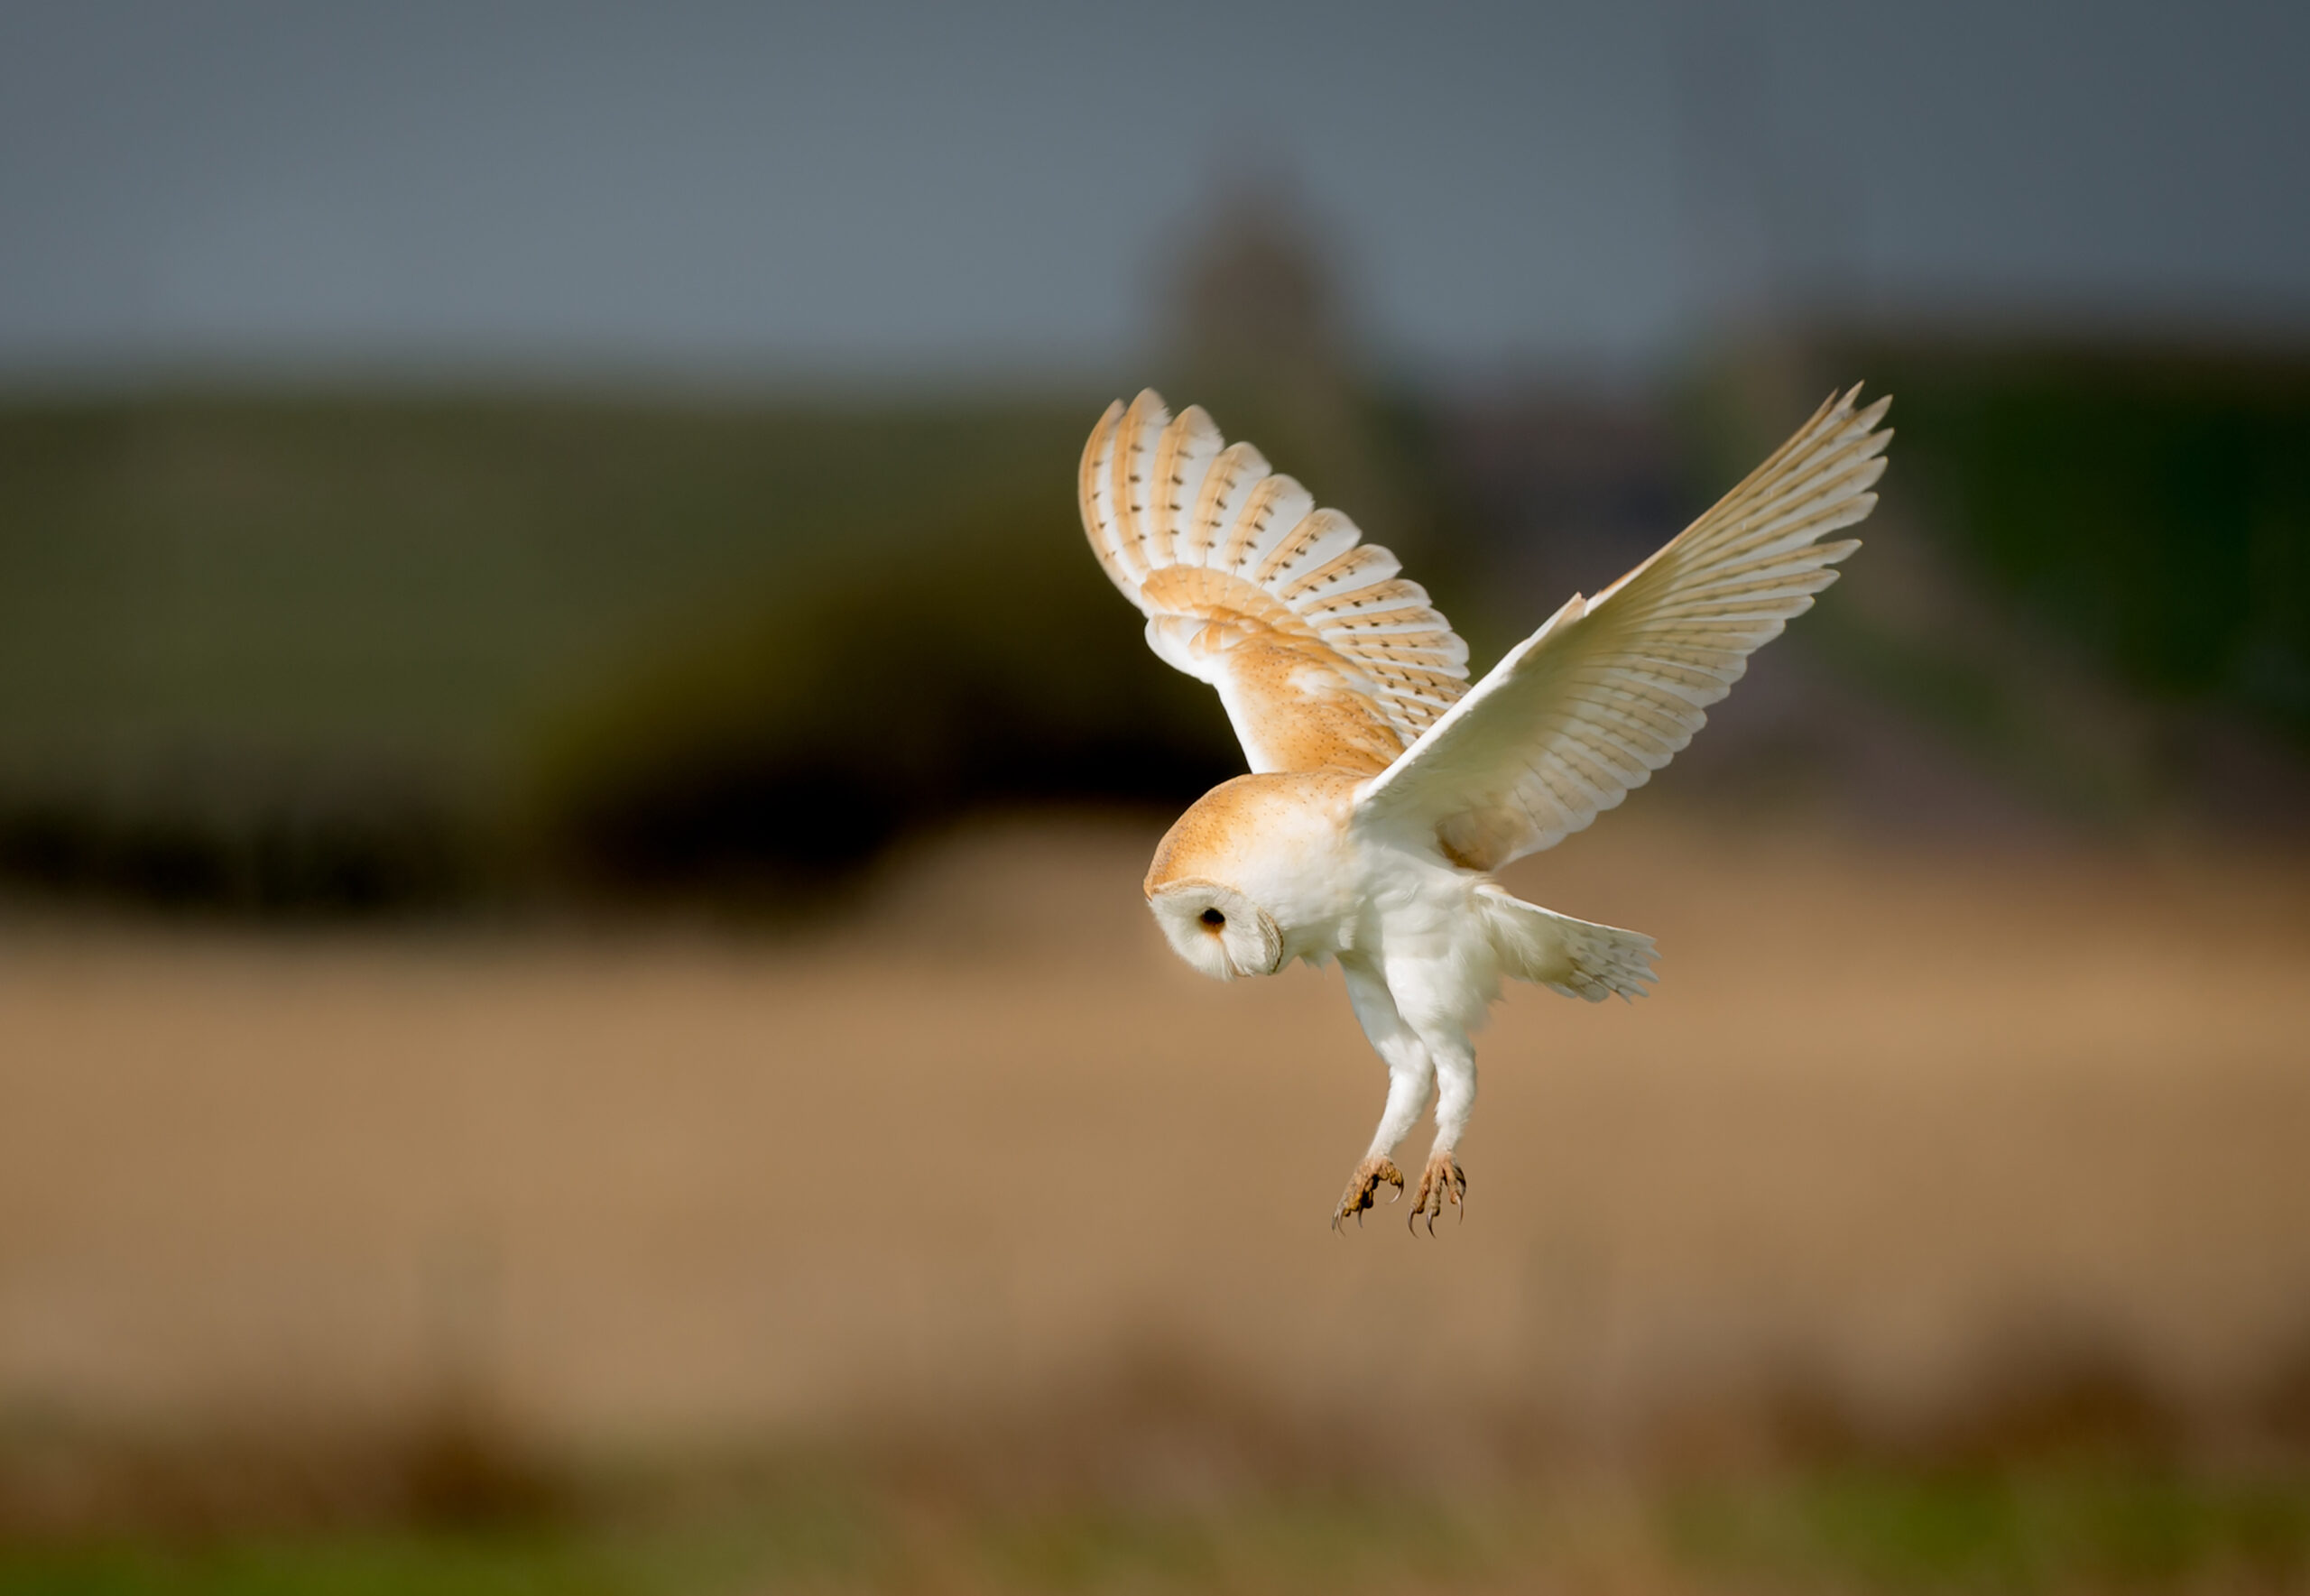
[1442,1185]
[1365,1184]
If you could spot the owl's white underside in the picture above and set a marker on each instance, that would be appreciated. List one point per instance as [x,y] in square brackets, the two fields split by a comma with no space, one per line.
[1424,944]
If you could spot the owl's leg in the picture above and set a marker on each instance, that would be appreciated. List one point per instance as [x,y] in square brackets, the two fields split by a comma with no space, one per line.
[1438,1002]
[1443,1183]
[1410,1074]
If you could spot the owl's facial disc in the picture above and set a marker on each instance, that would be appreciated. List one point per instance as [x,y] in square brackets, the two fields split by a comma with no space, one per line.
[1217,930]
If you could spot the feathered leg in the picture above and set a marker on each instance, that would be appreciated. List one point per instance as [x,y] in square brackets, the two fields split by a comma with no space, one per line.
[1443,1183]
[1411,1075]
[1441,1008]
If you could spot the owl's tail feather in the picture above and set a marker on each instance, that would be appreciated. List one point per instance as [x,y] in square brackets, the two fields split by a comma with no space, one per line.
[1577,958]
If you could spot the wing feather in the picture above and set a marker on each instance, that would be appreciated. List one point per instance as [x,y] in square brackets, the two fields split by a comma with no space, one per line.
[1332,583]
[1612,688]
[1183,460]
[1130,470]
[1238,470]
[1322,654]
[1275,506]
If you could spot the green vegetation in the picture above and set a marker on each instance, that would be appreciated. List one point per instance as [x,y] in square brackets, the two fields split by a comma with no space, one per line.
[282,651]
[2050,1530]
[337,651]
[995,664]
[2155,510]
[311,577]
[286,648]
[2046,1529]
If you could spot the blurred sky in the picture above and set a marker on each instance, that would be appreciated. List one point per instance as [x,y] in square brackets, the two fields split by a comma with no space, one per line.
[888,189]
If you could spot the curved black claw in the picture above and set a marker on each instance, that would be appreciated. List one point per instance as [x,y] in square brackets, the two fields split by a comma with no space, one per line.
[1442,1185]
[1363,1185]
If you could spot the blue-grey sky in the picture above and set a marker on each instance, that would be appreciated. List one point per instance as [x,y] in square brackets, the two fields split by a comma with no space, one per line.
[894,190]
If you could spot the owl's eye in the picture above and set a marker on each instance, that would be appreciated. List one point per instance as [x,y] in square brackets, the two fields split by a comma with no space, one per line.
[1212,916]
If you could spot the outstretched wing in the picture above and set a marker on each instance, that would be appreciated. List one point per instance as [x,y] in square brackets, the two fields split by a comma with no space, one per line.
[1322,654]
[1588,706]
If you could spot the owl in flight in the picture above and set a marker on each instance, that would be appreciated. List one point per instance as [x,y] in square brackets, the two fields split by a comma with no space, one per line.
[1383,789]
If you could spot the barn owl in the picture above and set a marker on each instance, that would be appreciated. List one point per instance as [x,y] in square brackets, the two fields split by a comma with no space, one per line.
[1384,791]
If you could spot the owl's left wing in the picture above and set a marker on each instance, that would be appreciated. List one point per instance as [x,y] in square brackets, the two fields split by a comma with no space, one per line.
[1324,655]
[1606,693]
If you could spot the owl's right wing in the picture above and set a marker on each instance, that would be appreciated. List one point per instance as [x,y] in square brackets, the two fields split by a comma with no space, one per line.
[1587,707]
[1325,657]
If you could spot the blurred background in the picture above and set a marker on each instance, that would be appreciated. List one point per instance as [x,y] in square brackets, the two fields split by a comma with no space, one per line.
[574,1013]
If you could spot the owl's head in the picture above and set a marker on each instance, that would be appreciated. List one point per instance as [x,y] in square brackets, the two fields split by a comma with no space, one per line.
[1243,880]
[1217,928]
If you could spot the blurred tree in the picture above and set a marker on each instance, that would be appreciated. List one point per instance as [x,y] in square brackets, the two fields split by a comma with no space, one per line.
[990,663]
[2094,562]
[1256,297]
[1260,327]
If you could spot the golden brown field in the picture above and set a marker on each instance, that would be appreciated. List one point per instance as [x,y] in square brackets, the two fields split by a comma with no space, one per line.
[1888,1116]
[1937,1158]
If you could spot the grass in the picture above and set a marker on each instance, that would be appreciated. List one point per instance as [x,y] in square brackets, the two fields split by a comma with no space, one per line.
[2049,1529]
[2042,1527]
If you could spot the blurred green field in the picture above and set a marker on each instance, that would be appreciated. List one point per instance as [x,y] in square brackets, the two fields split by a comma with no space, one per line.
[2089,572]
[2154,511]
[371,651]
[2080,1526]
[357,648]
[426,578]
